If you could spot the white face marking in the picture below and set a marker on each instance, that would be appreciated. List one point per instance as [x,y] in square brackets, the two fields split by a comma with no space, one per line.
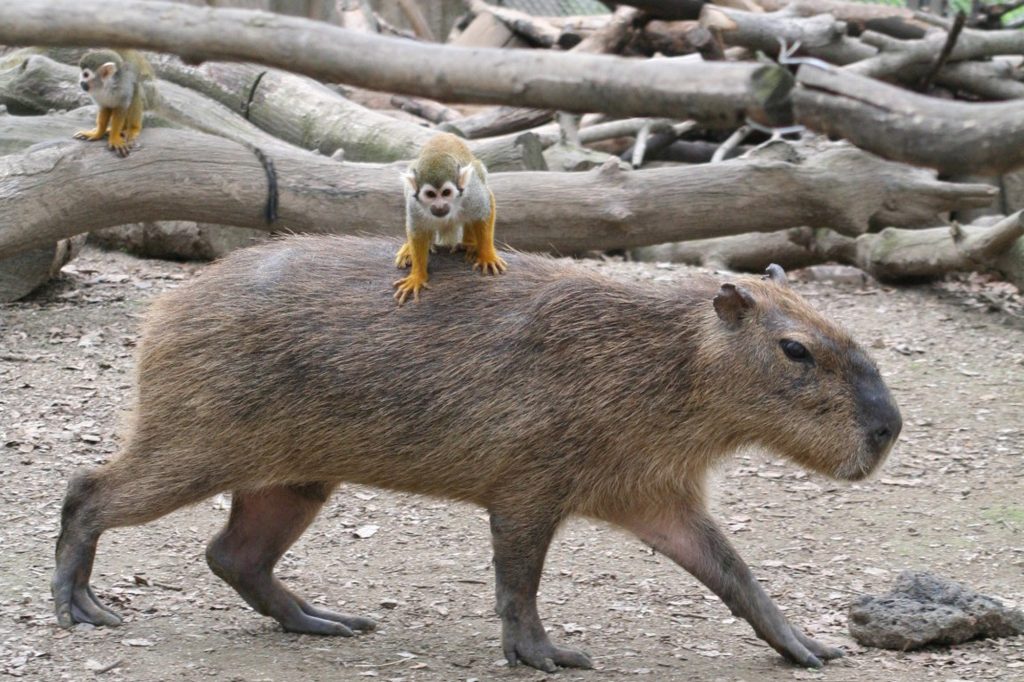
[439,201]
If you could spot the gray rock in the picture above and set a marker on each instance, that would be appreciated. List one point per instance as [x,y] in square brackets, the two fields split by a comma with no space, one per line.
[924,608]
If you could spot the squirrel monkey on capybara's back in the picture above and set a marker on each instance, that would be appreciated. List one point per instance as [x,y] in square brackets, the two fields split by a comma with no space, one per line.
[115,81]
[447,198]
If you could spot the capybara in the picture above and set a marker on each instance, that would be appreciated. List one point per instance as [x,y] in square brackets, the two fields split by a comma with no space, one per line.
[286,369]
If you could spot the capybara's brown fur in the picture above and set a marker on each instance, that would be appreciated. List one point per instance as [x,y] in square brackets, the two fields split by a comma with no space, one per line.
[286,369]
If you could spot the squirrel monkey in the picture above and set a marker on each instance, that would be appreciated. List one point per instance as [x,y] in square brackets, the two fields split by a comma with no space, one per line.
[447,200]
[115,80]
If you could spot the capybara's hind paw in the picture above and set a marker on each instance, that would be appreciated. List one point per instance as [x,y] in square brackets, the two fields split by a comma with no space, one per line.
[543,655]
[310,620]
[82,606]
[800,649]
[820,651]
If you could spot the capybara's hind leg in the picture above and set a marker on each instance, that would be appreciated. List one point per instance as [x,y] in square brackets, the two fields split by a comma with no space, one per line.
[262,526]
[96,501]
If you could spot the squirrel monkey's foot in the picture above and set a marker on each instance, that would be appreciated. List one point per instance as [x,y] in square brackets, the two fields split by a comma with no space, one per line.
[490,263]
[91,135]
[410,285]
[120,145]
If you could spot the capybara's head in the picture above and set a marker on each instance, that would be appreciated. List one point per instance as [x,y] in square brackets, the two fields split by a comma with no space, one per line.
[800,386]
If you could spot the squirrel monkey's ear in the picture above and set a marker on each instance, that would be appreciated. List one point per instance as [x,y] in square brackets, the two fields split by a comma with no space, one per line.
[107,70]
[409,178]
[465,174]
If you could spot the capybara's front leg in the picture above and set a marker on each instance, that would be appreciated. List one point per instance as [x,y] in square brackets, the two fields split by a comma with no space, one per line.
[694,541]
[520,544]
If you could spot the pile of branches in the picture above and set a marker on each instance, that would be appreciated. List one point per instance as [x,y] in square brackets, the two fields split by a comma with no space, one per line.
[662,121]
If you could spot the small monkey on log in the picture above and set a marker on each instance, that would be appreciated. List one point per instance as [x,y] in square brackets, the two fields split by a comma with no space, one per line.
[447,201]
[115,80]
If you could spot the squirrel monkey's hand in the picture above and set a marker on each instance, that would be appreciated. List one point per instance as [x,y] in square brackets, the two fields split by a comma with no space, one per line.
[410,285]
[403,258]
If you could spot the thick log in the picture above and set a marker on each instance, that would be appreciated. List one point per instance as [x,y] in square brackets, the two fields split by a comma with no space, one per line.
[953,137]
[25,272]
[36,83]
[311,115]
[19,132]
[215,180]
[721,94]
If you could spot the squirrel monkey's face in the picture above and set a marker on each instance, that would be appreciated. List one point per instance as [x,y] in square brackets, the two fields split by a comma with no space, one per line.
[437,195]
[94,81]
[438,200]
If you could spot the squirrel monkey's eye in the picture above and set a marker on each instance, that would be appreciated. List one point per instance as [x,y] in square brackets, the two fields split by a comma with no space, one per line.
[446,192]
[430,194]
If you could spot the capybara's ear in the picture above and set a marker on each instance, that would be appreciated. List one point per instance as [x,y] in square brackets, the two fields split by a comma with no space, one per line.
[732,303]
[776,274]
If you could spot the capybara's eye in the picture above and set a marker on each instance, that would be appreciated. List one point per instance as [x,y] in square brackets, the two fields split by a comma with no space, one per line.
[795,350]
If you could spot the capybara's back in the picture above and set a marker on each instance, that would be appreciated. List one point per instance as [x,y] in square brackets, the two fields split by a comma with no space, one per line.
[286,369]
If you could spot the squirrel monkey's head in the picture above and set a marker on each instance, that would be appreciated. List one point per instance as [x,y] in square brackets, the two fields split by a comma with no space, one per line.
[435,184]
[98,67]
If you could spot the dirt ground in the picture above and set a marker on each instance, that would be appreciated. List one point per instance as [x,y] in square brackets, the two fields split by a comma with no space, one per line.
[950,499]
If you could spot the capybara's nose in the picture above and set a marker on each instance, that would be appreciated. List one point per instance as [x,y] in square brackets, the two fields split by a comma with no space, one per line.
[885,428]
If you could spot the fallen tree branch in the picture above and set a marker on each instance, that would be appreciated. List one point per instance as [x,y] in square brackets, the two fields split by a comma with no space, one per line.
[721,94]
[666,9]
[533,29]
[898,22]
[893,254]
[947,49]
[896,55]
[953,137]
[218,181]
[819,36]
[823,37]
